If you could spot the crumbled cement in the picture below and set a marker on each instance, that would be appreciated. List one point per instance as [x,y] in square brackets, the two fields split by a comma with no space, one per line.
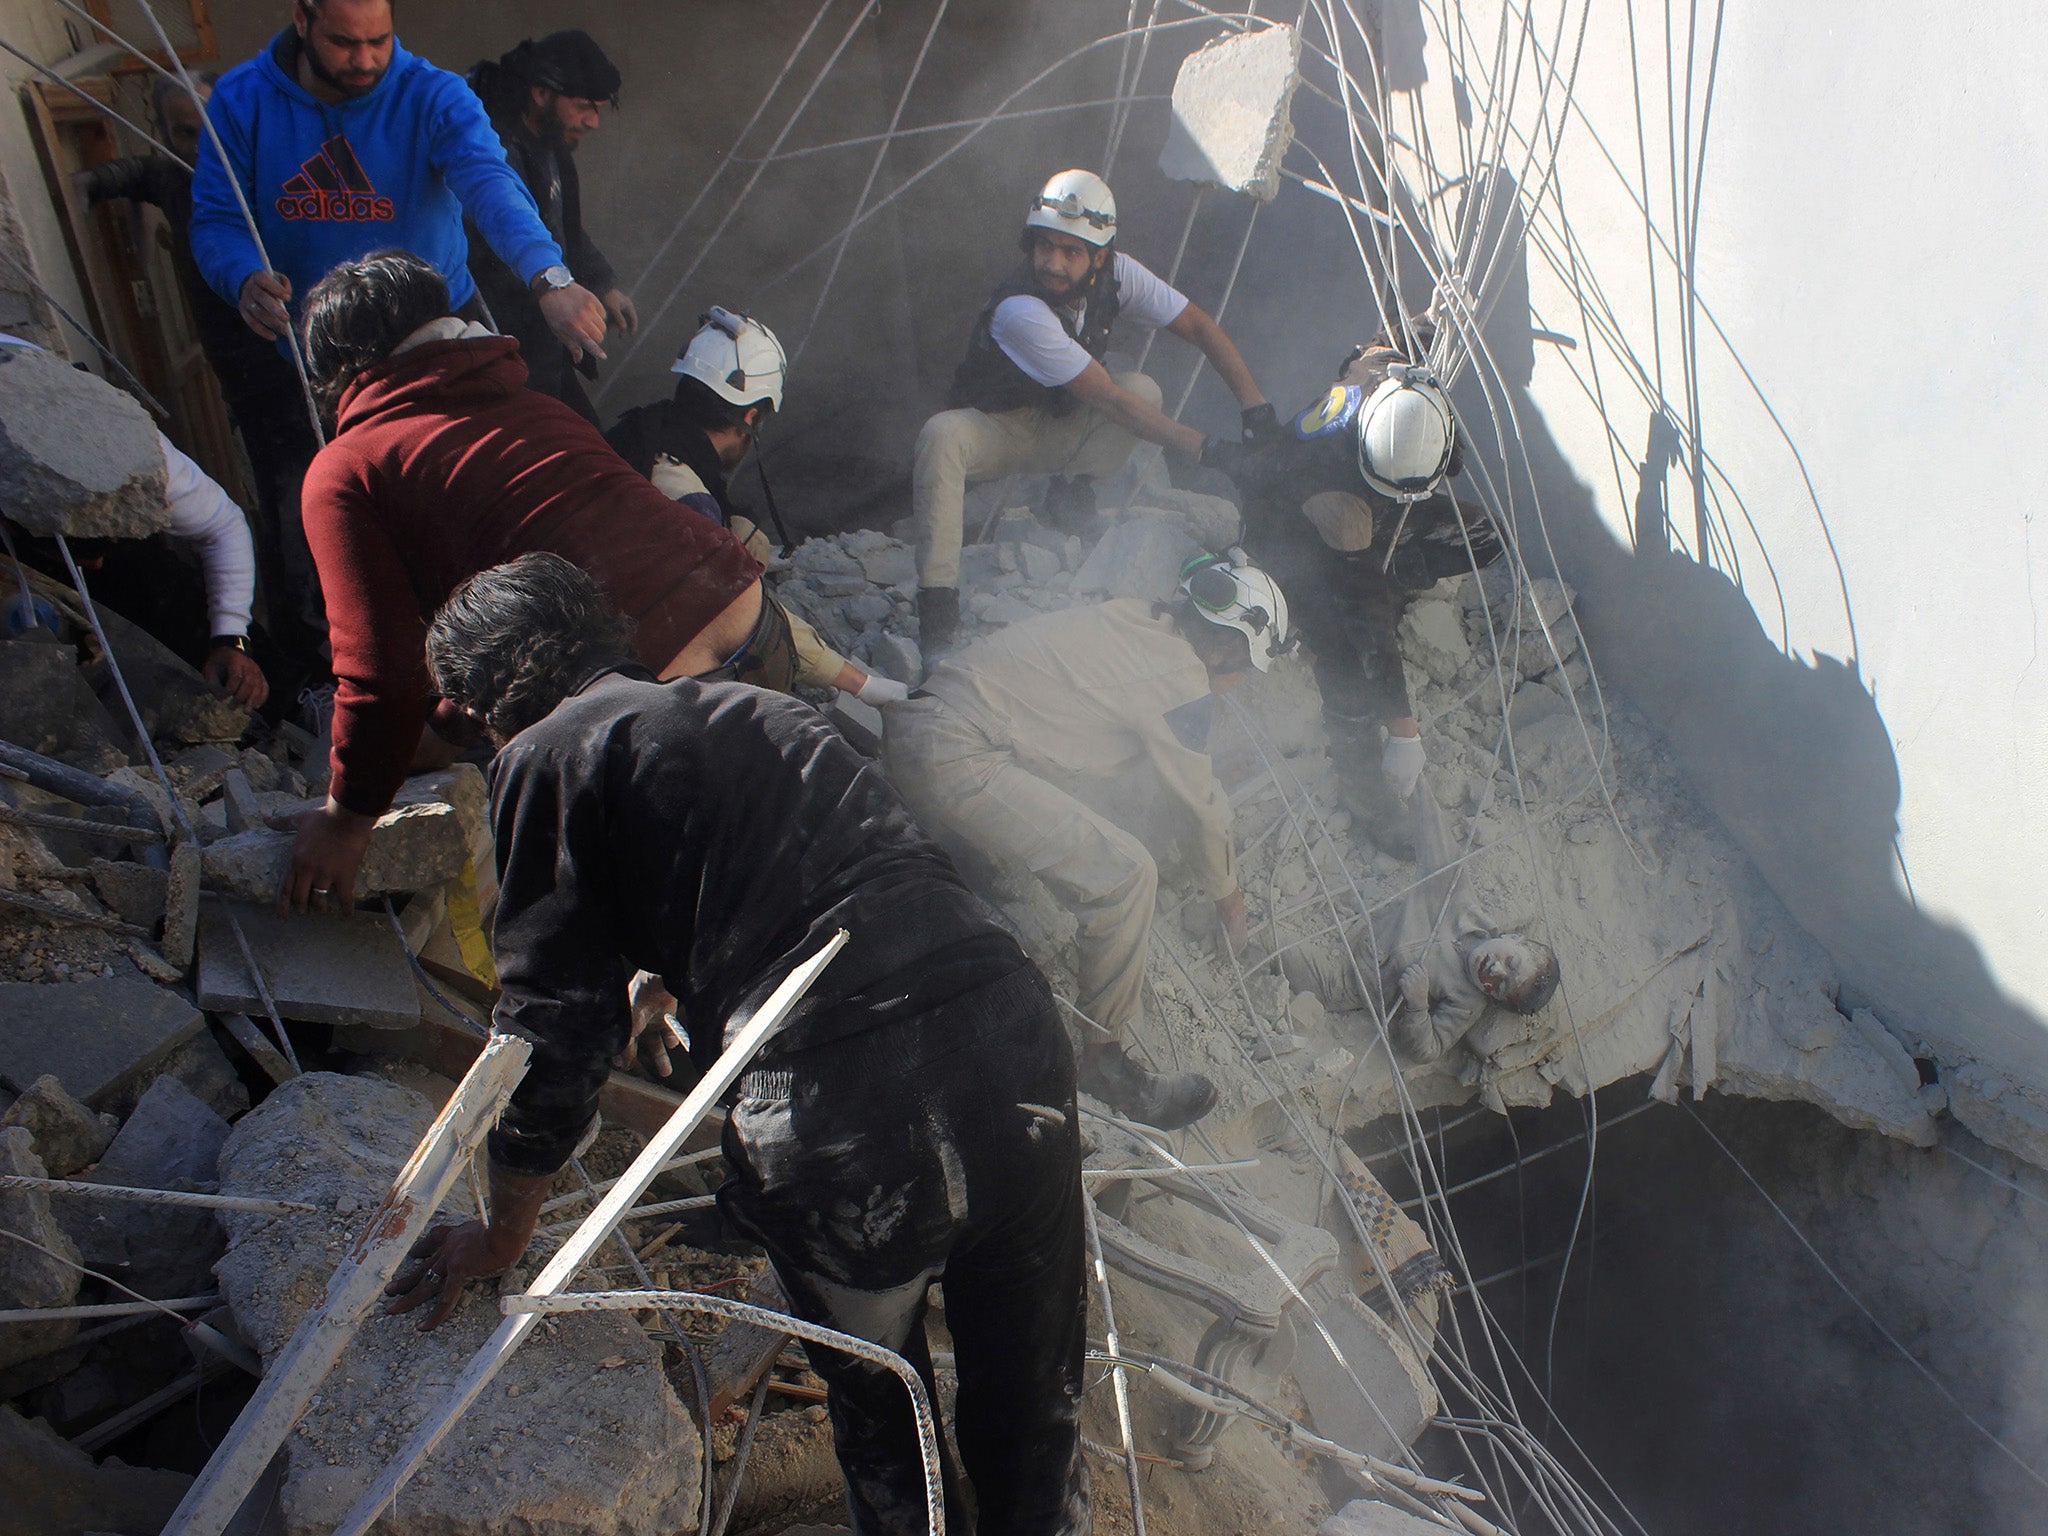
[1232,119]
[102,1039]
[29,1278]
[411,847]
[77,456]
[325,969]
[171,1141]
[67,1135]
[1368,1517]
[55,1489]
[579,1431]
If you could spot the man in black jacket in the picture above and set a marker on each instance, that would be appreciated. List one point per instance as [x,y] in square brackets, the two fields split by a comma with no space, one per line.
[913,1120]
[543,97]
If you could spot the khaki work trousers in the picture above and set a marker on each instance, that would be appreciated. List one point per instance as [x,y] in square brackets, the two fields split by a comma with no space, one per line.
[964,787]
[956,447]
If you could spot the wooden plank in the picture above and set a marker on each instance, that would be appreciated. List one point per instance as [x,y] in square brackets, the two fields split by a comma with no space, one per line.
[741,1355]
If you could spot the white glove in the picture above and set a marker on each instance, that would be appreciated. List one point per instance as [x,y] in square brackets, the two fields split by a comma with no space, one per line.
[1402,762]
[879,690]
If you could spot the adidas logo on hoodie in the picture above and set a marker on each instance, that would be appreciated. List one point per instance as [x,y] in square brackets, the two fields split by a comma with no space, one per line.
[333,187]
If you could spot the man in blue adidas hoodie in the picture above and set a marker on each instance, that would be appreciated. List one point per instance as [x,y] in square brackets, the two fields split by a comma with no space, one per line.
[344,144]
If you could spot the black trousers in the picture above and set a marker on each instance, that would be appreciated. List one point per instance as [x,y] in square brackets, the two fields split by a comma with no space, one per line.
[1349,610]
[943,1148]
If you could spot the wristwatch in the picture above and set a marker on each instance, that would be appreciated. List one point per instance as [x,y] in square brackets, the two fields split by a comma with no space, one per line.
[230,643]
[557,276]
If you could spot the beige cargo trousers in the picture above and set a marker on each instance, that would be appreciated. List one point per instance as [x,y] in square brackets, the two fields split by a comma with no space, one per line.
[965,788]
[961,446]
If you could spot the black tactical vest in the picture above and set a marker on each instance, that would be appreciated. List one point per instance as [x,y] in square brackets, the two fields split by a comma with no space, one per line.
[987,380]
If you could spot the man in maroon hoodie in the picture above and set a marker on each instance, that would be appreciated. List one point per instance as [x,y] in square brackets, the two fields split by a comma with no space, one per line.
[441,464]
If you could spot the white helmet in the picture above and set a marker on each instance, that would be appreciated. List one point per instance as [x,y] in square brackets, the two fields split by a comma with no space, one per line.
[1229,590]
[1077,203]
[1406,435]
[736,357]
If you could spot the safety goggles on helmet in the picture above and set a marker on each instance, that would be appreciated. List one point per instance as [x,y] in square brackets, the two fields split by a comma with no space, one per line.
[1069,207]
[757,361]
[1407,435]
[1229,591]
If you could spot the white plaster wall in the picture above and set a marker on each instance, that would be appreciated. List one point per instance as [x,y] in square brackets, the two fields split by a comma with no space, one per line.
[1870,241]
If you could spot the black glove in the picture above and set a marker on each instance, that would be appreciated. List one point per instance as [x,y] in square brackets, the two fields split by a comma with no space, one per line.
[1227,457]
[1261,427]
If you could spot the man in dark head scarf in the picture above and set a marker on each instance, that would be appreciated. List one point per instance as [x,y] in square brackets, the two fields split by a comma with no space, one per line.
[543,98]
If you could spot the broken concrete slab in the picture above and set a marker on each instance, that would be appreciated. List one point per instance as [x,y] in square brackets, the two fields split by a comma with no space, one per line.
[47,706]
[77,456]
[135,891]
[238,796]
[102,1039]
[581,1421]
[181,903]
[411,847]
[202,1066]
[55,1489]
[171,1141]
[1402,1397]
[859,723]
[1232,118]
[325,970]
[898,656]
[29,1278]
[1433,637]
[67,1135]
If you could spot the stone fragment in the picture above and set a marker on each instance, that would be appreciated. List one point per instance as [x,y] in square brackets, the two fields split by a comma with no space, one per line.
[135,891]
[67,1135]
[1433,637]
[181,903]
[102,1039]
[47,706]
[1401,1394]
[898,656]
[868,608]
[241,810]
[261,769]
[175,701]
[198,771]
[172,1141]
[1038,563]
[77,456]
[1232,118]
[29,1278]
[1367,1517]
[55,1489]
[860,724]
[596,1435]
[1140,556]
[411,848]
[889,565]
[202,1066]
[325,970]
[1211,521]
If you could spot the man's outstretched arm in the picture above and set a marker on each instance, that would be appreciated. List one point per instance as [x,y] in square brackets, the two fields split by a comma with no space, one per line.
[1198,328]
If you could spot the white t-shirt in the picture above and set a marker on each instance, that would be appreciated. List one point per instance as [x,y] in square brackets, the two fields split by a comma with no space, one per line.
[1038,339]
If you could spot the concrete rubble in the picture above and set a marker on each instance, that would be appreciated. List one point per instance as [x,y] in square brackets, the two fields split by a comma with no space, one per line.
[1232,112]
[581,1421]
[77,456]
[66,1134]
[55,1489]
[29,1277]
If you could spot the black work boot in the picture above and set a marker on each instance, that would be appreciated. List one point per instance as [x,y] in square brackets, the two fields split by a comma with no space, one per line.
[1070,505]
[938,618]
[1164,1100]
[1377,813]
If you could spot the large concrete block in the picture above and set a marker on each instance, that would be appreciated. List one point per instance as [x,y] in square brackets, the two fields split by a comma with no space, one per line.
[102,1039]
[55,1489]
[411,847]
[1232,112]
[29,1278]
[171,1141]
[77,456]
[579,1432]
[326,970]
[1402,1395]
[67,1135]
[47,706]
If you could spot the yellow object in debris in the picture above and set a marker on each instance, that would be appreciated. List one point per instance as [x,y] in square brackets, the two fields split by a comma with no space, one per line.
[465,921]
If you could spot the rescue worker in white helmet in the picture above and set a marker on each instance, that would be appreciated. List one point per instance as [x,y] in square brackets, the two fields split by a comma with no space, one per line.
[729,383]
[1033,397]
[1351,509]
[981,751]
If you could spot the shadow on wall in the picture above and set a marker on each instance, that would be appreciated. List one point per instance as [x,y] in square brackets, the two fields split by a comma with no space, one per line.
[1795,758]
